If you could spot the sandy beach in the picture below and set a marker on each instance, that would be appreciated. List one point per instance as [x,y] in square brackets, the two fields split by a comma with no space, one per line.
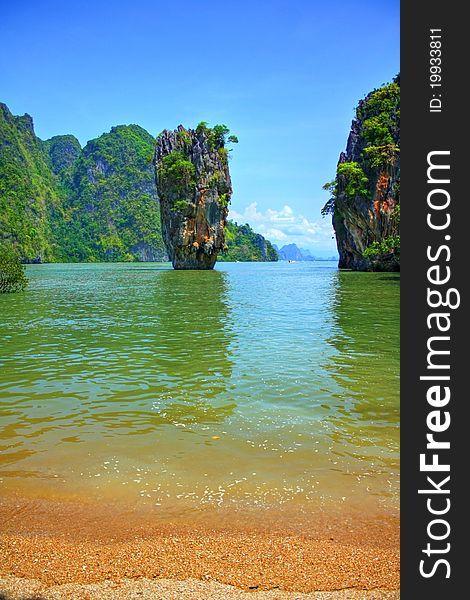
[53,549]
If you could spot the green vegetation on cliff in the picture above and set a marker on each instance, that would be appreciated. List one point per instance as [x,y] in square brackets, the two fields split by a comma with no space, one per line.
[177,171]
[244,245]
[61,202]
[63,151]
[365,194]
[30,199]
[113,207]
[354,184]
[389,245]
[378,138]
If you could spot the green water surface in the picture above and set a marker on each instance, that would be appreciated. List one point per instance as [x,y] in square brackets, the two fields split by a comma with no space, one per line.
[256,384]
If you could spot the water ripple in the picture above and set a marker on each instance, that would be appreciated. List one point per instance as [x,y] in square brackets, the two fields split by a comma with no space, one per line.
[255,383]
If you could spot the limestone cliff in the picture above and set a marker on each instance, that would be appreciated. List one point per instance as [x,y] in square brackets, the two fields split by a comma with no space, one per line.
[29,196]
[194,188]
[114,200]
[365,201]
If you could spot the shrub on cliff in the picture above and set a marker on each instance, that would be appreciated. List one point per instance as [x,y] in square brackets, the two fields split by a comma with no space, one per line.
[12,275]
[217,136]
[389,245]
[354,180]
[177,171]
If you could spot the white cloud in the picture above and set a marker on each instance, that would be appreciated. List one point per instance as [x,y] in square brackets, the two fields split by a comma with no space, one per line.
[286,227]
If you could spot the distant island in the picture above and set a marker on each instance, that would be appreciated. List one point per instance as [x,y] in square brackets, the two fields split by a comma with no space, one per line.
[293,253]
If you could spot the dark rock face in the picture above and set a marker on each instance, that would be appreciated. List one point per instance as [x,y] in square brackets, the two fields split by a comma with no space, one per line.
[358,226]
[367,220]
[194,188]
[366,214]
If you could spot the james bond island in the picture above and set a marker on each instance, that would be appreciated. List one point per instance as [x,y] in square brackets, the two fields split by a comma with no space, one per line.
[194,187]
[60,202]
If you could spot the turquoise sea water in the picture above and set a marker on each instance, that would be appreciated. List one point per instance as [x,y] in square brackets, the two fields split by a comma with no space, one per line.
[254,385]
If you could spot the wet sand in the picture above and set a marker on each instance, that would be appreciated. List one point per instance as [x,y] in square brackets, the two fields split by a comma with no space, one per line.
[53,549]
[165,589]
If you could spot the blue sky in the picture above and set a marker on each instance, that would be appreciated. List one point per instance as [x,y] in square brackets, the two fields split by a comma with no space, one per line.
[284,76]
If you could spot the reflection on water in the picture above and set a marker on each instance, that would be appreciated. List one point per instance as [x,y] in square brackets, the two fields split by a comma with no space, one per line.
[253,385]
[366,368]
[190,357]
